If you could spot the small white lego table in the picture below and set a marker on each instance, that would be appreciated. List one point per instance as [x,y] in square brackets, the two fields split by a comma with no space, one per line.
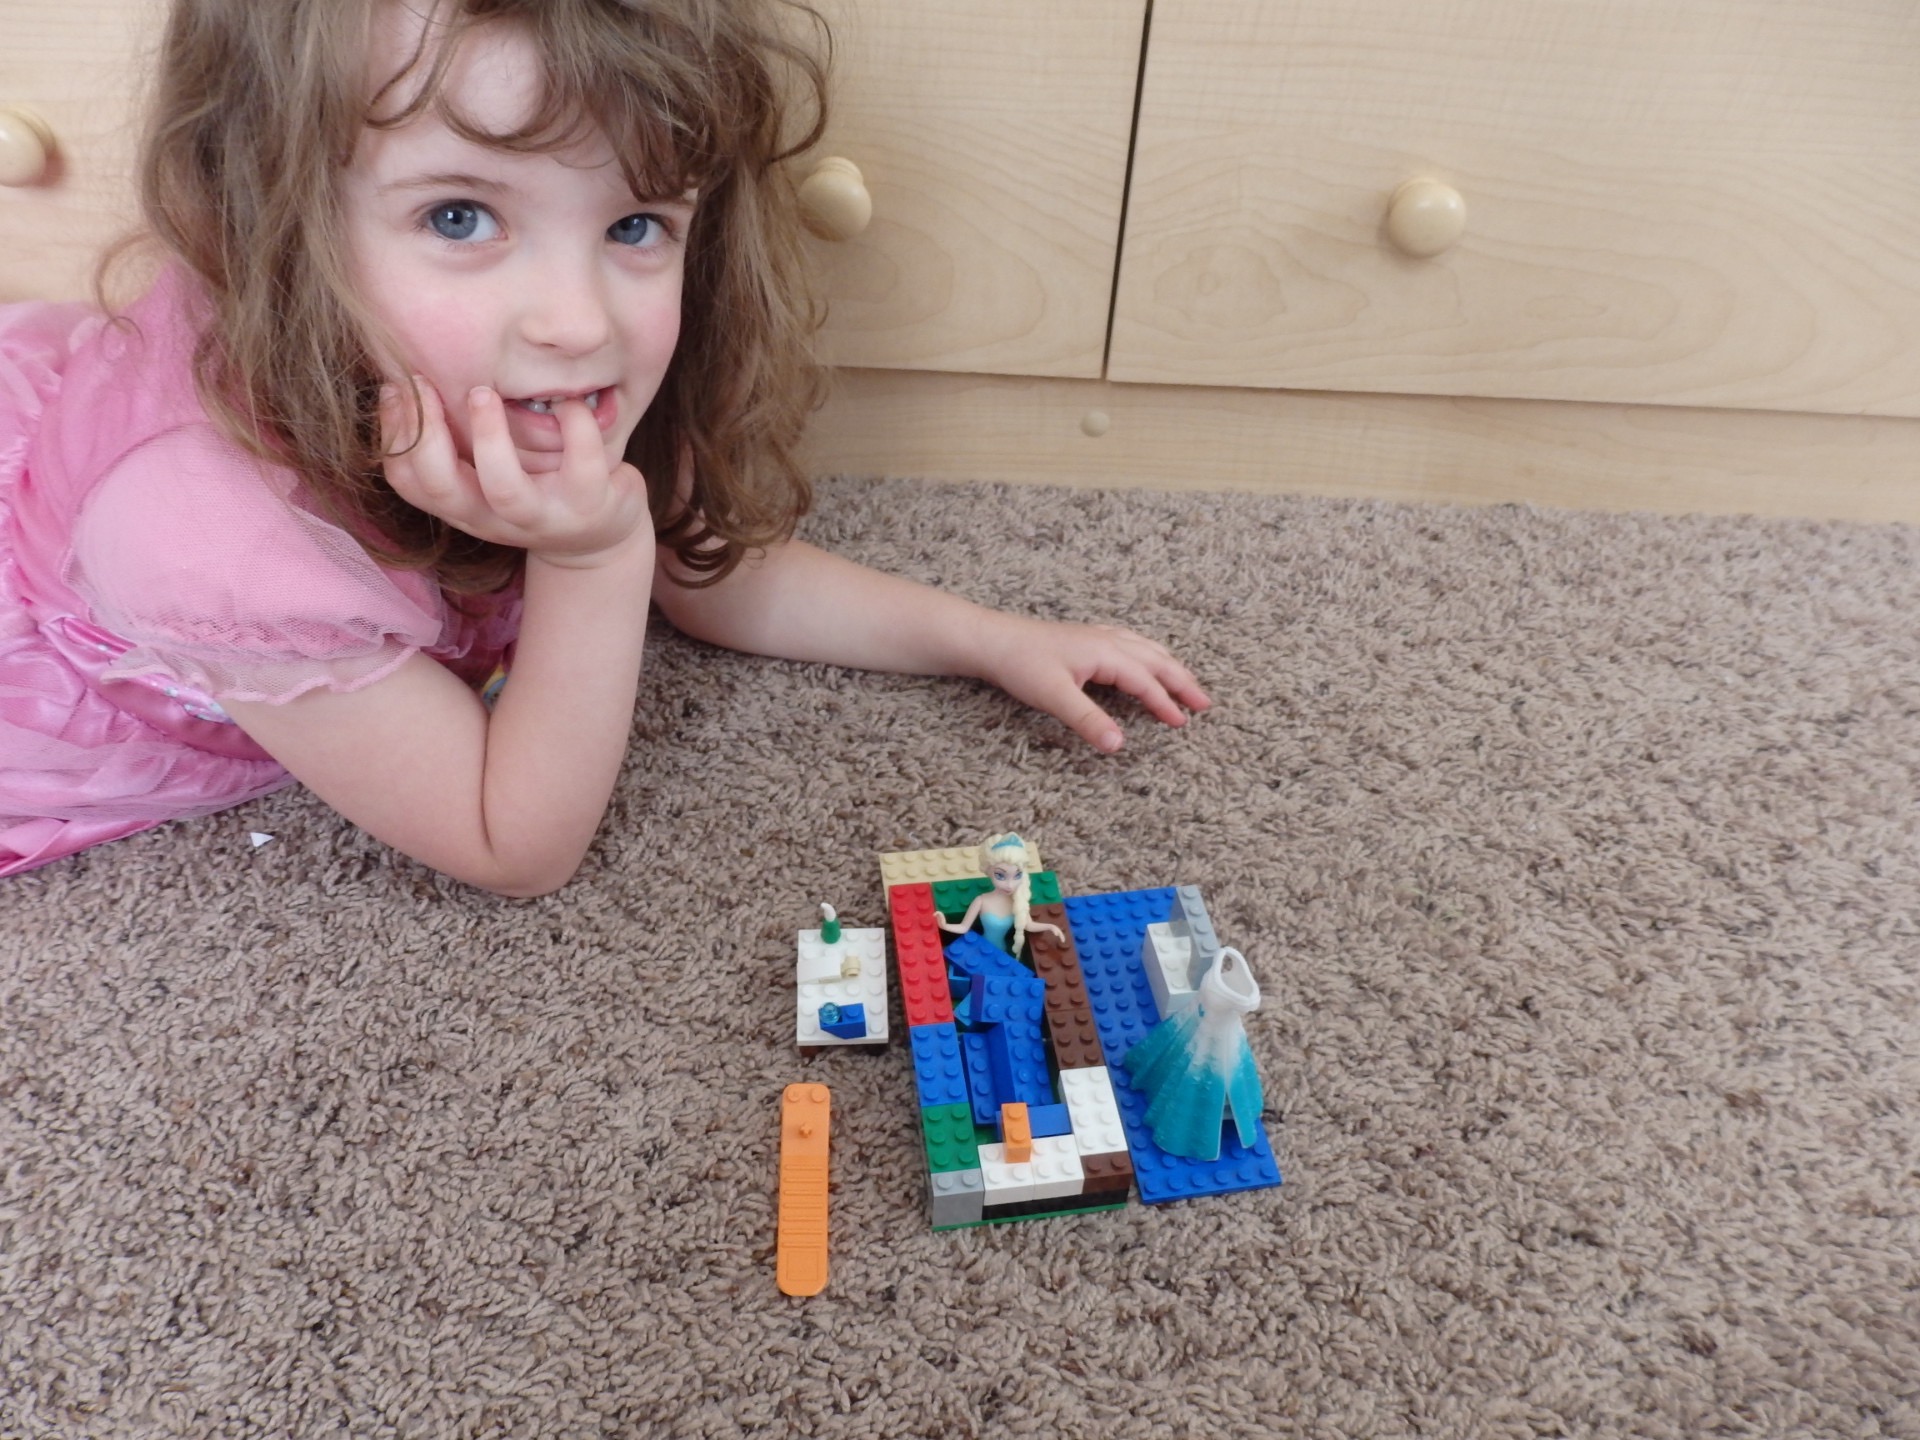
[849,971]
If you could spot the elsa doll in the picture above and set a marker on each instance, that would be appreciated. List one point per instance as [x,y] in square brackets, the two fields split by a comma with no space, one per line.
[1005,912]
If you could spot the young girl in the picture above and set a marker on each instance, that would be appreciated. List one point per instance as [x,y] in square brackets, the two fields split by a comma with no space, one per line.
[478,325]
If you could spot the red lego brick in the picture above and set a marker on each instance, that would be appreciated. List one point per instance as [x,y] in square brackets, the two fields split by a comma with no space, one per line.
[918,957]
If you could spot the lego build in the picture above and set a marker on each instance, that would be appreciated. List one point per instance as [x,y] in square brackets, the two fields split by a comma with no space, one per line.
[1020,1029]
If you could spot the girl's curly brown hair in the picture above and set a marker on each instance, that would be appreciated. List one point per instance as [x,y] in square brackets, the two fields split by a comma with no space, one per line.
[257,110]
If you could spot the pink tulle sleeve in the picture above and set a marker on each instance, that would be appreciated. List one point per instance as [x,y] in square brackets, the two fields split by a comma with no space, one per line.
[191,550]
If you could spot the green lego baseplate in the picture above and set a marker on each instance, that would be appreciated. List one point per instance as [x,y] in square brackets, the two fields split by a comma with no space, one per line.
[1034,1211]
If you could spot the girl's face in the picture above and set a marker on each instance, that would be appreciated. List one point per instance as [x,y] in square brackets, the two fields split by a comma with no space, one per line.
[540,276]
[1006,878]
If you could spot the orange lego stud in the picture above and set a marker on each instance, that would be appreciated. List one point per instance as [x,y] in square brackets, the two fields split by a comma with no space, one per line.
[1016,1132]
[801,1263]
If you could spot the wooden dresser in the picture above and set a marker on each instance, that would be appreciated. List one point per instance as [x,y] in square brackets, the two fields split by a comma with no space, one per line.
[1603,253]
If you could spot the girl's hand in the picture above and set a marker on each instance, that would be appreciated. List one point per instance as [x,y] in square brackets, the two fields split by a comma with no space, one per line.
[574,516]
[1047,664]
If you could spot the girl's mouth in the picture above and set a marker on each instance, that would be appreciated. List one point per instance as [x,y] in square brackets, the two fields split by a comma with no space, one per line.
[545,406]
[535,420]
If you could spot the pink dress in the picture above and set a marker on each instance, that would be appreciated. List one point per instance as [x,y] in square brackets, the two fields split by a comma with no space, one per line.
[149,569]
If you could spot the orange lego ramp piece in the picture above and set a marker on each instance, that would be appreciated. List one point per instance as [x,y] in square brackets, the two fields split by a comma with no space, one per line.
[801,1263]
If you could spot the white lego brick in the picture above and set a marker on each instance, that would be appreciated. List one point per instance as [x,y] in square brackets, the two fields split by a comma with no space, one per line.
[1056,1168]
[1094,1111]
[1168,960]
[1004,1184]
[819,978]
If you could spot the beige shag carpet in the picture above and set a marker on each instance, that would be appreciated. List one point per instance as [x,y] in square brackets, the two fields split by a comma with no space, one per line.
[1576,855]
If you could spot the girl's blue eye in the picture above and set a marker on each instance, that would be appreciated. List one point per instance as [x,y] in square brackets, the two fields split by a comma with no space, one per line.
[636,230]
[462,220]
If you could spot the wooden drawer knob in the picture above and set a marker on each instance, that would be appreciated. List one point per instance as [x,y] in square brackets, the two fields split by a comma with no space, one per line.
[26,147]
[834,201]
[1425,217]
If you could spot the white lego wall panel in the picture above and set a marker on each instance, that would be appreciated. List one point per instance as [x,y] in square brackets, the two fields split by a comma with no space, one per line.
[1168,960]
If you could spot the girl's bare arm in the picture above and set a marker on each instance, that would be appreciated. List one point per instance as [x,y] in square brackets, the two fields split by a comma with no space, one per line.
[801,603]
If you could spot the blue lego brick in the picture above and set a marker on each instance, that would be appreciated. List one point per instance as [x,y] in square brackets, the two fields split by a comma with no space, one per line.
[1001,999]
[843,1022]
[971,959]
[937,1067]
[1108,933]
[1018,1053]
[1045,1121]
[973,954]
[979,1072]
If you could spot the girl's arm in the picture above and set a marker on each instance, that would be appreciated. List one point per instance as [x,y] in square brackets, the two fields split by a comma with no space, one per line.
[798,602]
[507,800]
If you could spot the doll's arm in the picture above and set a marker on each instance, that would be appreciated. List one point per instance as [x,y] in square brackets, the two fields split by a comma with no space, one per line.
[966,924]
[798,602]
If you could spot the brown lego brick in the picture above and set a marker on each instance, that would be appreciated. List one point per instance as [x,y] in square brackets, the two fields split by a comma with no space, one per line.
[1070,1027]
[1074,1036]
[1056,961]
[1107,1174]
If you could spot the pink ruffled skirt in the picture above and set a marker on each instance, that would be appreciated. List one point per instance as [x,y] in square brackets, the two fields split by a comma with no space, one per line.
[76,768]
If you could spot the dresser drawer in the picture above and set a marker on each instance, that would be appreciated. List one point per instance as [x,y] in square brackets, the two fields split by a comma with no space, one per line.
[1709,203]
[993,137]
[76,66]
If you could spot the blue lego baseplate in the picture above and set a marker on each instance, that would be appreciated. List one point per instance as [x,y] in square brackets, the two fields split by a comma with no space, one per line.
[1109,932]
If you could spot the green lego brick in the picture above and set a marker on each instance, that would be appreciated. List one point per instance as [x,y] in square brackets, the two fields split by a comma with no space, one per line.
[949,1135]
[952,897]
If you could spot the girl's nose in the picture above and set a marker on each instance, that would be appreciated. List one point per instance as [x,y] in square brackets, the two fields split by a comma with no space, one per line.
[567,312]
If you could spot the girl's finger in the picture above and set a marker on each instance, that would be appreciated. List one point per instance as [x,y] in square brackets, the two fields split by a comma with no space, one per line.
[583,458]
[1145,687]
[1169,672]
[1181,684]
[503,481]
[1074,708]
[436,455]
[400,448]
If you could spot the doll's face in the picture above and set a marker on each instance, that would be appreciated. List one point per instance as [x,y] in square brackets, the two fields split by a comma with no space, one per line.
[1006,878]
